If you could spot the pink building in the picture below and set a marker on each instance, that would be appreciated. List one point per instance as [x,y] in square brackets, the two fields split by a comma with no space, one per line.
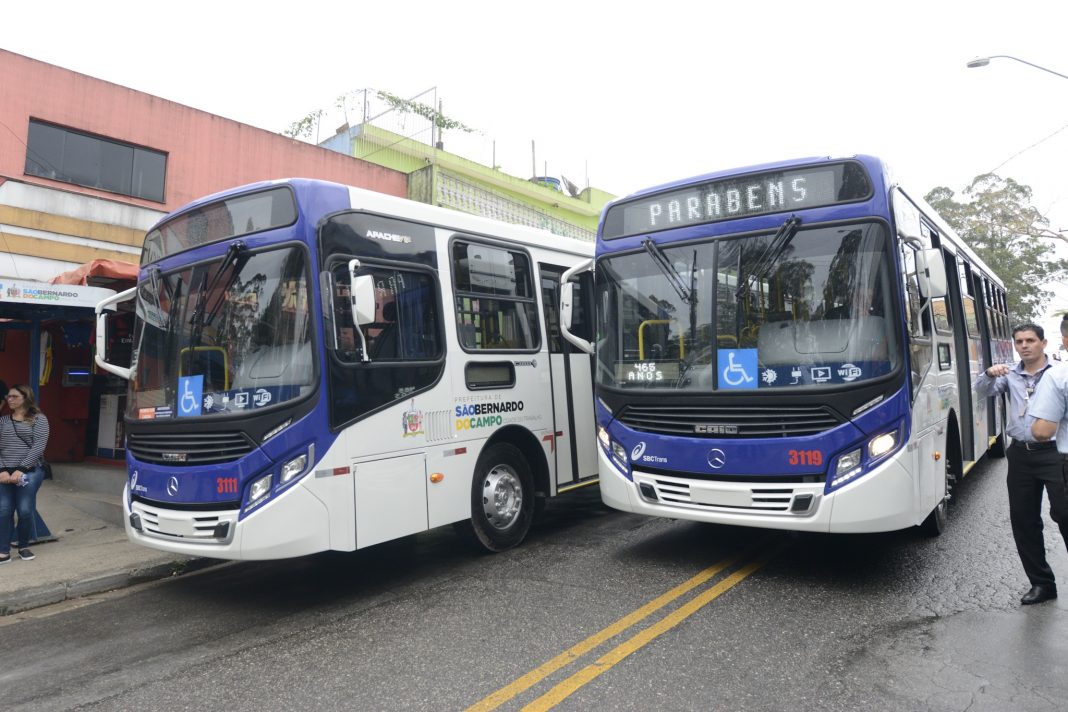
[86,167]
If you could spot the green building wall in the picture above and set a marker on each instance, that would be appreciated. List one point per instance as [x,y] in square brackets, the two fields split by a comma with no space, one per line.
[438,177]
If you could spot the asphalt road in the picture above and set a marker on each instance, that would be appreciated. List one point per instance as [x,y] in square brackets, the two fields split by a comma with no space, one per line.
[597,610]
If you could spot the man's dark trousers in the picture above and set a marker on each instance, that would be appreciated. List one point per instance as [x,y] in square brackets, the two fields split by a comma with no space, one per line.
[1030,472]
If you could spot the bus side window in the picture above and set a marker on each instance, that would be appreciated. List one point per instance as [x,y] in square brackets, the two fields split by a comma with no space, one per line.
[405,325]
[917,317]
[495,299]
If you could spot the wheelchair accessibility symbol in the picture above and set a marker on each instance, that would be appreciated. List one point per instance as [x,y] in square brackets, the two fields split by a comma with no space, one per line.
[738,368]
[190,395]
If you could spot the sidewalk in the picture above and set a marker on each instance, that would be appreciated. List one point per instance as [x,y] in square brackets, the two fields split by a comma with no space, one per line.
[90,552]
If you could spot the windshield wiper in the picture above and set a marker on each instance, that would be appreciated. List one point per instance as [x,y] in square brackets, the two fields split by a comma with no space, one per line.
[686,293]
[771,253]
[234,254]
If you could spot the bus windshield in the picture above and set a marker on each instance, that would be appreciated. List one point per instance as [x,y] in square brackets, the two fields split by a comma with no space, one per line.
[222,337]
[800,308]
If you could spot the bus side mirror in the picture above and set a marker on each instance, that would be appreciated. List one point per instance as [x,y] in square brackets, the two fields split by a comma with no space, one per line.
[567,297]
[363,300]
[102,309]
[362,293]
[932,282]
[567,306]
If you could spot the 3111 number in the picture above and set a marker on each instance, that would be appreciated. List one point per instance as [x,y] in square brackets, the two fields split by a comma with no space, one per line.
[805,457]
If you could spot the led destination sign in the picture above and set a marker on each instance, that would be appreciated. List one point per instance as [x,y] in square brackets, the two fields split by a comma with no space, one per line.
[727,198]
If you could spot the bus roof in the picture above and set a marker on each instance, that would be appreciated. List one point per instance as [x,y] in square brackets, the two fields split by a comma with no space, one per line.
[875,165]
[368,200]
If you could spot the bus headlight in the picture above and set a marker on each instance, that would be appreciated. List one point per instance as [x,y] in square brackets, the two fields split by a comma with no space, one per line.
[848,467]
[260,489]
[612,448]
[293,468]
[882,444]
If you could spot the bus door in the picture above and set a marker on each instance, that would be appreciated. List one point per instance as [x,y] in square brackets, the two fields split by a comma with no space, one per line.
[965,350]
[572,382]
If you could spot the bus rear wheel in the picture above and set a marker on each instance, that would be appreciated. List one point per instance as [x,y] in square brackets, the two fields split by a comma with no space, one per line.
[502,499]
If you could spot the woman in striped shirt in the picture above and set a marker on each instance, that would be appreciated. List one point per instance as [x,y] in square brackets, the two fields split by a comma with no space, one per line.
[23,437]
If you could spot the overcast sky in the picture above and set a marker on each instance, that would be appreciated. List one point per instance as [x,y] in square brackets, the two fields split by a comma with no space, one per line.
[621,94]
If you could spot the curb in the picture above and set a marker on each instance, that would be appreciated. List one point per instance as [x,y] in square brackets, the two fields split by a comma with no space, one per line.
[49,594]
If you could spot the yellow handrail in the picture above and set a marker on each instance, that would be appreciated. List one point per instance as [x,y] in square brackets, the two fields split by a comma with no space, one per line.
[641,337]
[225,363]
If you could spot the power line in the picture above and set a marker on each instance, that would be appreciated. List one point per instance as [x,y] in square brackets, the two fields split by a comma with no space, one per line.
[994,169]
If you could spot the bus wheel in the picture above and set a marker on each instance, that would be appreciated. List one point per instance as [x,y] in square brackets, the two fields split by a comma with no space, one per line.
[502,498]
[935,523]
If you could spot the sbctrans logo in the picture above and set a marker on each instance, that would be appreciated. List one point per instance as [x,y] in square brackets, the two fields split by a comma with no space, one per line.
[638,451]
[136,488]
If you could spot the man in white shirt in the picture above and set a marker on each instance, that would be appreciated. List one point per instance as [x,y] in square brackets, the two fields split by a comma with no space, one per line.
[1049,408]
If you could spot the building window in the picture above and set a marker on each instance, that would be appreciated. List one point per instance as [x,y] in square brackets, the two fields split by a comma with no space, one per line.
[73,157]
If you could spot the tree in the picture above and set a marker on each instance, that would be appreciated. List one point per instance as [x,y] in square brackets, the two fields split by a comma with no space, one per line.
[995,217]
[305,127]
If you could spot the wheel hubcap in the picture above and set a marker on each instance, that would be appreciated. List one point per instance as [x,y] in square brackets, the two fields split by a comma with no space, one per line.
[502,497]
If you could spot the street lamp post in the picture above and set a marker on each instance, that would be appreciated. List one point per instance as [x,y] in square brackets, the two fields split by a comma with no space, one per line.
[983,61]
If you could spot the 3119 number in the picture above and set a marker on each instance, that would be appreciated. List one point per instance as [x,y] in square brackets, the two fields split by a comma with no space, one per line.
[805,457]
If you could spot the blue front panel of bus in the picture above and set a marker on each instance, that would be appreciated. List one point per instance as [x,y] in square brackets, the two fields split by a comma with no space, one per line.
[196,485]
[811,455]
[276,442]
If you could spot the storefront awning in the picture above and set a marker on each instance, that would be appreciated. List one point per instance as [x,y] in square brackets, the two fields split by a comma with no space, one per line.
[101,273]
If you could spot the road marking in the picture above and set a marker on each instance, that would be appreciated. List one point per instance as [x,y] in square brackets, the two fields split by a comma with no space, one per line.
[564,689]
[520,685]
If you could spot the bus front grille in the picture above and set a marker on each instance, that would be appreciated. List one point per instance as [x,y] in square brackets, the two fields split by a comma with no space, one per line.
[730,421]
[797,499]
[204,527]
[178,449]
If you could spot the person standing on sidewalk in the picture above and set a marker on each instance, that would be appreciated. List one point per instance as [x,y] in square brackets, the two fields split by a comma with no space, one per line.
[23,437]
[1034,466]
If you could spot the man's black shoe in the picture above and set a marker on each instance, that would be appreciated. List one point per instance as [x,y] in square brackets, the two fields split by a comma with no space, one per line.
[1039,593]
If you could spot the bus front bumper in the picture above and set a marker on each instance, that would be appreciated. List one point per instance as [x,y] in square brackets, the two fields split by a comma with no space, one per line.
[293,524]
[882,500]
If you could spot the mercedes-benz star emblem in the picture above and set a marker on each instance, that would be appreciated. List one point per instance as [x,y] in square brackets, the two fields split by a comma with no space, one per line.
[172,486]
[716,458]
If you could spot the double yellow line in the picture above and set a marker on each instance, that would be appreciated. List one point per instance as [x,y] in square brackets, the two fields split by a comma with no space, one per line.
[617,654]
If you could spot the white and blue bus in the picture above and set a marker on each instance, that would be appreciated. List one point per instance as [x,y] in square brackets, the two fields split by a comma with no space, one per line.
[321,367]
[790,346]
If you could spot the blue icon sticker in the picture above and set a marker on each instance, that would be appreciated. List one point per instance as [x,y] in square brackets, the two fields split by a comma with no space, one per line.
[190,395]
[738,369]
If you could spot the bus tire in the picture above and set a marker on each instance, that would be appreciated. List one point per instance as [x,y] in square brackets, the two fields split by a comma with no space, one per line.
[502,499]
